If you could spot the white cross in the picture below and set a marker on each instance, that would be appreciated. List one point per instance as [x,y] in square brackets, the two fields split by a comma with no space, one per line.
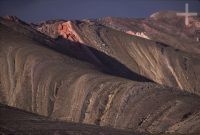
[186,14]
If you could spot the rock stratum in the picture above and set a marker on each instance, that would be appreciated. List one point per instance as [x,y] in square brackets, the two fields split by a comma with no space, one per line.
[137,75]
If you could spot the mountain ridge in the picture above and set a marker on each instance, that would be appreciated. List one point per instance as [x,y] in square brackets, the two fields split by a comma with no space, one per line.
[112,79]
[101,43]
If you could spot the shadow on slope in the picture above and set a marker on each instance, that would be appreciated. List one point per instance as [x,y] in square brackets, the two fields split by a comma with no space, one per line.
[15,121]
[101,60]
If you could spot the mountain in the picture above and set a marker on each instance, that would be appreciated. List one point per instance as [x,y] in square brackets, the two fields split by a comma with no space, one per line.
[130,74]
[159,51]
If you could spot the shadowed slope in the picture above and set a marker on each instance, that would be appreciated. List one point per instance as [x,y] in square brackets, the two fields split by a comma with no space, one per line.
[40,80]
[15,121]
[102,61]
[172,65]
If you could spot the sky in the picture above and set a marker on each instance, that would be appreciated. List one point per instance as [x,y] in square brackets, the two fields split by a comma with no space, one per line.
[40,10]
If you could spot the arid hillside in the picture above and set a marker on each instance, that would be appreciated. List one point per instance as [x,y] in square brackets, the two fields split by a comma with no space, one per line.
[89,72]
[154,47]
[15,121]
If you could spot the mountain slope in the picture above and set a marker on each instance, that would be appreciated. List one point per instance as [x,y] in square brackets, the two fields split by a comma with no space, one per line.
[167,57]
[164,26]
[36,78]
[15,121]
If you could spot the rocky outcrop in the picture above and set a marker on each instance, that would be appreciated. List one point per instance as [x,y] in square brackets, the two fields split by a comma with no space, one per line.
[57,29]
[50,28]
[139,34]
[66,31]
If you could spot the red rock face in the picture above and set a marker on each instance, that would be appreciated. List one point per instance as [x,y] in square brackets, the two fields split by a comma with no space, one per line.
[66,31]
